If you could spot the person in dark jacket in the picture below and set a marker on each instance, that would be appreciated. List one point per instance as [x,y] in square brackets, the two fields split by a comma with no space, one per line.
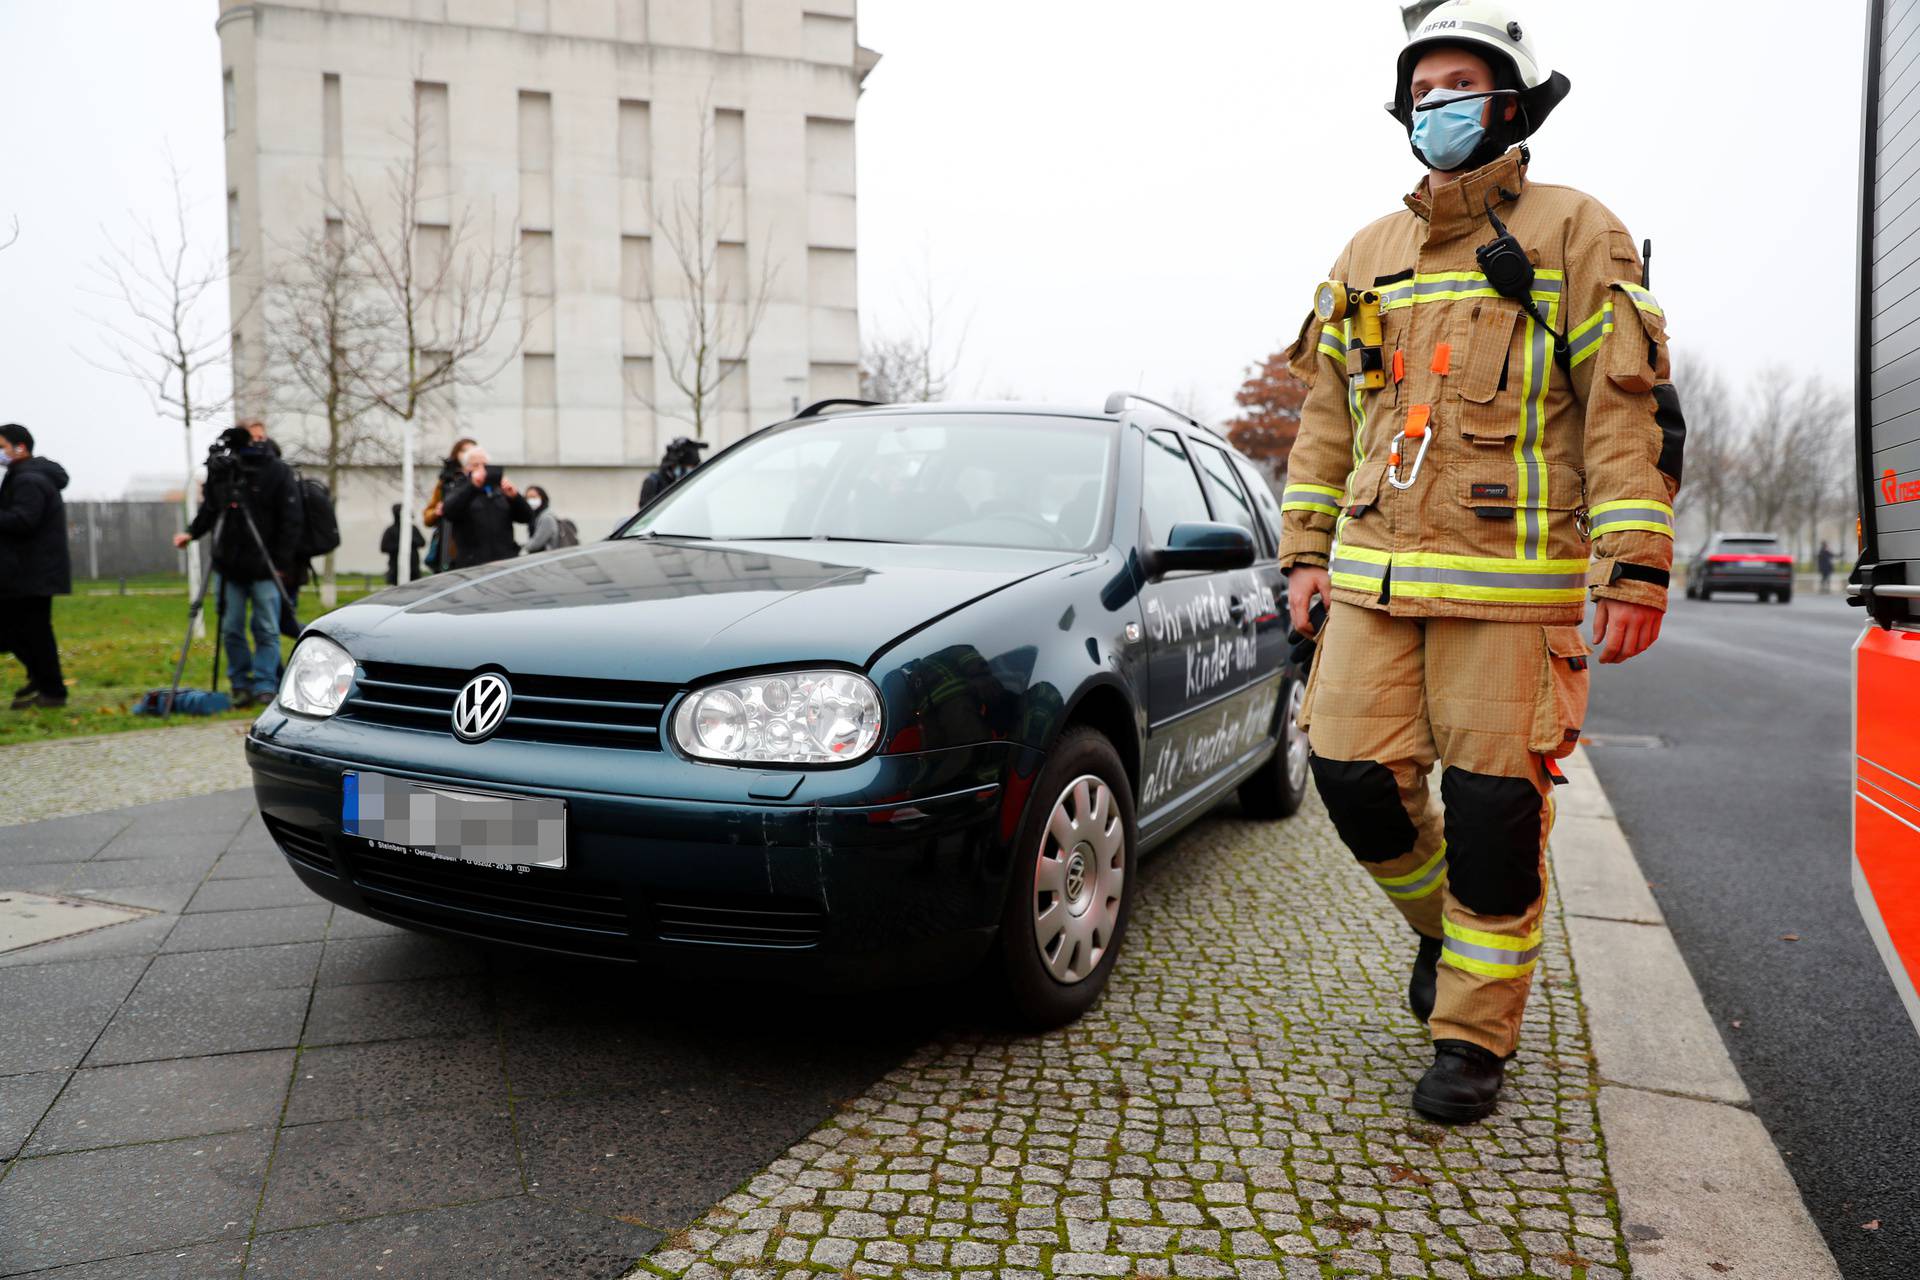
[680,459]
[263,486]
[441,551]
[299,570]
[1824,561]
[34,567]
[390,545]
[481,506]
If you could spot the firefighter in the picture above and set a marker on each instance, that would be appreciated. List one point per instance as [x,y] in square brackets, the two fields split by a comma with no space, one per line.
[1489,437]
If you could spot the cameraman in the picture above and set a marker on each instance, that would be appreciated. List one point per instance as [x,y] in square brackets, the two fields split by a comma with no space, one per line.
[244,479]
[682,456]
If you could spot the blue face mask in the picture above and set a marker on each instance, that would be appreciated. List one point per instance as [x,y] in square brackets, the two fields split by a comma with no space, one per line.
[1447,135]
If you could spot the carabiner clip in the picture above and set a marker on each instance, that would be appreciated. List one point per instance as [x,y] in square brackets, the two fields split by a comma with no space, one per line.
[1417,419]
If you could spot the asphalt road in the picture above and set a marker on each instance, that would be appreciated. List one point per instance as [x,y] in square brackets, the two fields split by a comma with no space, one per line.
[1741,824]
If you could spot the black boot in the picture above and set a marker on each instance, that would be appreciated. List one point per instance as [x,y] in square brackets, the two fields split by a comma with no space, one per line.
[1462,1084]
[1426,967]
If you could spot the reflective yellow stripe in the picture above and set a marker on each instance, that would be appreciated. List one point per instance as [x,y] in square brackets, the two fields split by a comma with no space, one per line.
[1311,497]
[1641,298]
[1492,954]
[1418,884]
[1322,507]
[1432,576]
[1327,489]
[1367,554]
[1601,508]
[1453,286]
[1332,344]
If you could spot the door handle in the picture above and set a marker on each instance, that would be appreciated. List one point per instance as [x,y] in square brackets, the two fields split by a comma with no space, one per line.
[1237,610]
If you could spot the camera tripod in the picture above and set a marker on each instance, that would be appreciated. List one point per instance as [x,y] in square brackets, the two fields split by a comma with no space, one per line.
[200,599]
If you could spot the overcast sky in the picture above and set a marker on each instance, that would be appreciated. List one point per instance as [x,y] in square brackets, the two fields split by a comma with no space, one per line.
[1108,193]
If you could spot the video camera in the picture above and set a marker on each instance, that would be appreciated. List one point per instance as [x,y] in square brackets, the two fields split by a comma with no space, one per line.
[682,454]
[225,470]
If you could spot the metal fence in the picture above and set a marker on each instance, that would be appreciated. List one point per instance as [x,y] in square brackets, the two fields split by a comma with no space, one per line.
[123,539]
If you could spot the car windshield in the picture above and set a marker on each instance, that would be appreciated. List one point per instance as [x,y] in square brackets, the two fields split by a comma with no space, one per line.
[992,480]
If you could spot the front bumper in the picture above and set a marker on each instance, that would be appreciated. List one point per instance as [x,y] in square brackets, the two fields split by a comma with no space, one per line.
[893,869]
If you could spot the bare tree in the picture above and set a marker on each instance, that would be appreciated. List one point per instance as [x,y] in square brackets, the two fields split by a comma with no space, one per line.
[911,367]
[171,336]
[1714,435]
[444,306]
[1783,457]
[326,330]
[700,338]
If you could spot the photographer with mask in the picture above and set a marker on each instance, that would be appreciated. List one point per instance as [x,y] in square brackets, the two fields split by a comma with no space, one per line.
[254,557]
[681,457]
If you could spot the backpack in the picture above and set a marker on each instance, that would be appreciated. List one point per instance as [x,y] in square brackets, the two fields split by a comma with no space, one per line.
[567,535]
[319,528]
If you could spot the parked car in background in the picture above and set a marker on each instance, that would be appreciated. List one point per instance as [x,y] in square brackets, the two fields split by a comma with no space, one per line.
[876,694]
[1756,562]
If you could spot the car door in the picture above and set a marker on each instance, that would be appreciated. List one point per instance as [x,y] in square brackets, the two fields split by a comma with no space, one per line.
[1199,647]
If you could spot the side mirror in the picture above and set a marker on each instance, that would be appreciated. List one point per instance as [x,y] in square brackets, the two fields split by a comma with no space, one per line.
[1200,547]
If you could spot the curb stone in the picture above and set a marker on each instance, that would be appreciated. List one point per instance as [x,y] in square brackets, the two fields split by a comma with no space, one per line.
[1702,1188]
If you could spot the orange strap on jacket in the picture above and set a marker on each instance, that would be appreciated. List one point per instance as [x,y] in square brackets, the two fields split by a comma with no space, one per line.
[1443,358]
[1417,419]
[1399,365]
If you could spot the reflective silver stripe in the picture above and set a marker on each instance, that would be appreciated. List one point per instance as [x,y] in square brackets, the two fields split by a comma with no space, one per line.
[1533,465]
[1484,578]
[1358,568]
[1421,887]
[1313,496]
[1491,955]
[1650,515]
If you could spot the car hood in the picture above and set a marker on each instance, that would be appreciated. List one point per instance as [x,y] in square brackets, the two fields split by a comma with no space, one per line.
[673,612]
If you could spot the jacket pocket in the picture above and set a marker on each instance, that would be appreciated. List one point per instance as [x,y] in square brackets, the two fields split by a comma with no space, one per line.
[1491,490]
[1560,707]
[1482,361]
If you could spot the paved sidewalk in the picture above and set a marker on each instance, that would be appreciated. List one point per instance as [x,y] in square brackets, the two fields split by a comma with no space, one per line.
[1236,1106]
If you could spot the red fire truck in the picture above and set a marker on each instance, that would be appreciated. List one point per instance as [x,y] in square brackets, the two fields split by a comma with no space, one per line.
[1886,660]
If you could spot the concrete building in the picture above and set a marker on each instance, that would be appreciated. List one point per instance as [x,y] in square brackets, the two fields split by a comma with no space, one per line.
[567,130]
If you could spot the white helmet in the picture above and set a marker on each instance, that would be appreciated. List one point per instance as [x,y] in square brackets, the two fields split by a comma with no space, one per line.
[1487,28]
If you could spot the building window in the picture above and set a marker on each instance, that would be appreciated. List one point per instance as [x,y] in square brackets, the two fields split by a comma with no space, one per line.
[636,139]
[431,247]
[636,268]
[332,146]
[826,37]
[831,281]
[430,124]
[536,263]
[731,399]
[731,281]
[730,148]
[727,23]
[636,405]
[631,17]
[829,156]
[230,101]
[536,381]
[233,222]
[536,132]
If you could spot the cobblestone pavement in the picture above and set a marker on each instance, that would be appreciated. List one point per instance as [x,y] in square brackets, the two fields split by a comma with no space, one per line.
[85,775]
[1236,1106]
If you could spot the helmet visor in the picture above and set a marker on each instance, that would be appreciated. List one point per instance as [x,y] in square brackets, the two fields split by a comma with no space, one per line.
[1441,97]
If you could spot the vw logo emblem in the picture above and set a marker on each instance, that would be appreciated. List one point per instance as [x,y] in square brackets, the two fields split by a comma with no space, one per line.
[480,706]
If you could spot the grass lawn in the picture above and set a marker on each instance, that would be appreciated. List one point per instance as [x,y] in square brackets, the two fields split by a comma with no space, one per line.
[114,648]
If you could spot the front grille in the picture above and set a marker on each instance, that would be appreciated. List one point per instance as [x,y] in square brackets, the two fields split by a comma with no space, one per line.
[781,923]
[578,915]
[567,709]
[307,848]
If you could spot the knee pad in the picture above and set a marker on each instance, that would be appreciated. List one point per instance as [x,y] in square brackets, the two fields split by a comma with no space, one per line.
[1363,800]
[1493,842]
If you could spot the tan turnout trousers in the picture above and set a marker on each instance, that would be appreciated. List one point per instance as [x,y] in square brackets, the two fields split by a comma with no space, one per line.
[1490,701]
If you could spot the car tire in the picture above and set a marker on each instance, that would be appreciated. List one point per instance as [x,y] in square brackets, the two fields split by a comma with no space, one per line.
[1278,787]
[1043,984]
[1706,592]
[1785,596]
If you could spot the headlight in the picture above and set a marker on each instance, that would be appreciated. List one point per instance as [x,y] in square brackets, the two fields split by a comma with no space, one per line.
[317,678]
[791,717]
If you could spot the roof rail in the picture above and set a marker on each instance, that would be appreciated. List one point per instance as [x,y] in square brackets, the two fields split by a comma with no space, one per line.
[813,410]
[1118,401]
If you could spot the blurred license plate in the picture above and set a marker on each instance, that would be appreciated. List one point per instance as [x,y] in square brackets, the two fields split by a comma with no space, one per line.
[1753,564]
[446,822]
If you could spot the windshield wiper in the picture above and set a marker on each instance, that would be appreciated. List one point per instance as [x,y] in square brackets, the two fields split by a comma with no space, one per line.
[812,537]
[683,537]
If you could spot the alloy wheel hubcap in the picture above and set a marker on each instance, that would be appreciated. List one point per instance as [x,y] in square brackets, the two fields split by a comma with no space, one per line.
[1296,739]
[1079,880]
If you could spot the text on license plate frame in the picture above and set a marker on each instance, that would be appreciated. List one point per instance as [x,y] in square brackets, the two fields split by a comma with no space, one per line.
[488,829]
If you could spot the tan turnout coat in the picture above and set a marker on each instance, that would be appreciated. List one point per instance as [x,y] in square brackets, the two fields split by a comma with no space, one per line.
[1535,487]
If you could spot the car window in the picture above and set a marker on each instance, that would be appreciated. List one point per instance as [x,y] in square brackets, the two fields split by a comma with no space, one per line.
[1264,503]
[1170,491]
[999,480]
[1230,502]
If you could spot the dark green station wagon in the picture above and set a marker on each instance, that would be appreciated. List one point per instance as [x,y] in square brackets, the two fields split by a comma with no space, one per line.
[881,694]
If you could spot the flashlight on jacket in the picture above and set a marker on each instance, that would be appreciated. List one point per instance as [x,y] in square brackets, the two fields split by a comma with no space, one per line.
[1366,363]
